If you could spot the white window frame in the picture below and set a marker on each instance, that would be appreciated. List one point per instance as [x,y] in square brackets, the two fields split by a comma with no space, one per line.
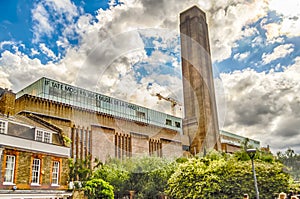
[3,127]
[40,135]
[10,170]
[55,173]
[36,171]
[46,138]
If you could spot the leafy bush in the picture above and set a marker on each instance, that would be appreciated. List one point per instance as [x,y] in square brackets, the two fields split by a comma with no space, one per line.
[226,177]
[98,188]
[147,176]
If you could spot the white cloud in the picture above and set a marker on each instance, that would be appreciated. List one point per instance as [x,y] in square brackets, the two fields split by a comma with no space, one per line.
[287,8]
[257,103]
[132,15]
[43,25]
[249,31]
[264,106]
[4,82]
[34,52]
[47,14]
[16,65]
[8,43]
[289,25]
[47,51]
[278,52]
[241,56]
[272,31]
[226,20]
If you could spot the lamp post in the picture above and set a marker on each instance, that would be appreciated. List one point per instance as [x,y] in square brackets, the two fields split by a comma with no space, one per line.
[251,153]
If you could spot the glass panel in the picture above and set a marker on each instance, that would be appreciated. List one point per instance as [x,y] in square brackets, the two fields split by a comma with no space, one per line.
[2,127]
[55,172]
[39,136]
[9,169]
[60,92]
[47,137]
[35,171]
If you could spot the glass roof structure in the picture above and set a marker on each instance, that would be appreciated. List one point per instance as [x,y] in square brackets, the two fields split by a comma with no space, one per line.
[79,97]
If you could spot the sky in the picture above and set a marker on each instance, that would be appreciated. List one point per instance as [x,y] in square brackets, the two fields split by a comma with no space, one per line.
[130,49]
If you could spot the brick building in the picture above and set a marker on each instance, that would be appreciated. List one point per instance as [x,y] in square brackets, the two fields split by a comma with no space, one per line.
[101,126]
[34,158]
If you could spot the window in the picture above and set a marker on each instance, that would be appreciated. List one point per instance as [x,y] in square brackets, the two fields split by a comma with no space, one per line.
[168,122]
[43,136]
[55,173]
[177,124]
[35,175]
[140,114]
[39,136]
[9,169]
[47,137]
[185,148]
[3,127]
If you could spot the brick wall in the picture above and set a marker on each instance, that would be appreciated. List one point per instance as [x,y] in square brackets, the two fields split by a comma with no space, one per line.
[7,102]
[102,141]
[23,164]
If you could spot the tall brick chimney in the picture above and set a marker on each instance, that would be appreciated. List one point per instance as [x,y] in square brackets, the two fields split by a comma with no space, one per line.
[200,122]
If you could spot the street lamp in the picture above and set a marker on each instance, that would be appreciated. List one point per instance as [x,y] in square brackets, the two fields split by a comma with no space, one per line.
[251,153]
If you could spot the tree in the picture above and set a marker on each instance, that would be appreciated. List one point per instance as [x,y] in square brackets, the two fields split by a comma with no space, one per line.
[147,176]
[292,161]
[226,177]
[116,174]
[98,189]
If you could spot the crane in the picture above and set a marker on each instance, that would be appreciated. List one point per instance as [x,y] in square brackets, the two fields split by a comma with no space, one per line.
[169,99]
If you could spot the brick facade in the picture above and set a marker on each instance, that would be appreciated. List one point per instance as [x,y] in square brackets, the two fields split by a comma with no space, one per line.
[95,134]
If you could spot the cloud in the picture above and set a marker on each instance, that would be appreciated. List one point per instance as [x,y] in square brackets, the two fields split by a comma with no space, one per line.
[264,106]
[226,21]
[224,18]
[241,56]
[43,26]
[47,51]
[250,31]
[4,83]
[278,52]
[47,15]
[65,21]
[289,23]
[6,43]
[15,65]
[110,54]
[272,31]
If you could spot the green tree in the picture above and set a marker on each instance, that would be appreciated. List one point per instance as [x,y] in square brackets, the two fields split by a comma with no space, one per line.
[226,177]
[147,176]
[98,189]
[292,161]
[116,174]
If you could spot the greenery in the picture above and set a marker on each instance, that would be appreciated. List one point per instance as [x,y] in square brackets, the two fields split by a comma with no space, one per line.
[81,175]
[79,170]
[292,162]
[225,176]
[147,176]
[217,175]
[67,140]
[98,188]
